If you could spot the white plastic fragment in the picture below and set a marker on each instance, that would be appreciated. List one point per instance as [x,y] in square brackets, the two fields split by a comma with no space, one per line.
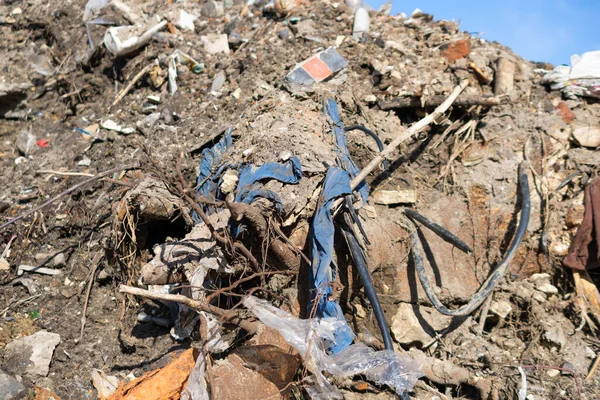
[361,23]
[104,384]
[39,270]
[523,389]
[382,367]
[185,21]
[111,125]
[581,79]
[122,40]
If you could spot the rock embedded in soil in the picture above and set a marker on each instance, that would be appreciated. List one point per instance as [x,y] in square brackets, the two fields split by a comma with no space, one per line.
[501,308]
[31,354]
[9,387]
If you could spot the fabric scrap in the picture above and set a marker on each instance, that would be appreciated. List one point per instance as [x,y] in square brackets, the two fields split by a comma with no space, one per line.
[584,252]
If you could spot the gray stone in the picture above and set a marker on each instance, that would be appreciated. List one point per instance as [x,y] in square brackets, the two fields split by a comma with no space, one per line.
[218,82]
[555,335]
[284,33]
[234,40]
[31,354]
[213,9]
[52,260]
[9,387]
[25,142]
[215,43]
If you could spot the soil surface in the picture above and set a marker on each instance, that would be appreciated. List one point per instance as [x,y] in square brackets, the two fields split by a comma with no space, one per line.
[462,169]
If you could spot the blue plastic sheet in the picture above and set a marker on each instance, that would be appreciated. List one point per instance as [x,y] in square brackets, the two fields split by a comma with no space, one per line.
[288,172]
[344,158]
[212,158]
[337,183]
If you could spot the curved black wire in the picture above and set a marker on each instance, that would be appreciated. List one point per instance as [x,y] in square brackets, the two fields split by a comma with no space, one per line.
[438,230]
[369,132]
[365,276]
[487,287]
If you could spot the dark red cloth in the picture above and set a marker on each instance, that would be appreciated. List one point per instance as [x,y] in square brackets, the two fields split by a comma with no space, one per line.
[584,252]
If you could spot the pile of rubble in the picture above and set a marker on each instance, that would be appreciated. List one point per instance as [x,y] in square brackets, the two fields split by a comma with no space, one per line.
[227,199]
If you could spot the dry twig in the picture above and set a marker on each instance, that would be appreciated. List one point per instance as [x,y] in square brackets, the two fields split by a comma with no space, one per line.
[434,101]
[416,128]
[127,88]
[95,263]
[228,315]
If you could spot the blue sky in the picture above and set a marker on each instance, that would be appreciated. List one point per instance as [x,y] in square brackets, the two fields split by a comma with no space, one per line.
[537,30]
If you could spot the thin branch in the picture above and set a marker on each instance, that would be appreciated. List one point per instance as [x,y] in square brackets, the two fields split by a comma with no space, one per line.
[95,263]
[127,88]
[416,128]
[435,101]
[228,315]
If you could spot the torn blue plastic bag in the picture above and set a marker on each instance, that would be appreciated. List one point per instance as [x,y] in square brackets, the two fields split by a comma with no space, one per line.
[321,274]
[337,184]
[212,158]
[248,187]
[343,154]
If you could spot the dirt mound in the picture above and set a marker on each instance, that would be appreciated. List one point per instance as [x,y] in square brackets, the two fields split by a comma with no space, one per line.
[207,154]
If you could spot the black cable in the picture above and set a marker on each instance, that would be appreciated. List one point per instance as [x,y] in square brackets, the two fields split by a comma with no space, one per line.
[369,132]
[439,230]
[365,276]
[487,287]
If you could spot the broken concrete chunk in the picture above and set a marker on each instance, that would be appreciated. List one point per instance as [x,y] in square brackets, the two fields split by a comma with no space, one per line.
[212,9]
[31,354]
[541,282]
[505,76]
[392,197]
[412,324]
[555,335]
[317,68]
[215,43]
[501,308]
[361,23]
[587,135]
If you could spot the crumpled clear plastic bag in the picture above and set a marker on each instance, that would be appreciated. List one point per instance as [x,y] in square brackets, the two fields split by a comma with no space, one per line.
[382,367]
[196,385]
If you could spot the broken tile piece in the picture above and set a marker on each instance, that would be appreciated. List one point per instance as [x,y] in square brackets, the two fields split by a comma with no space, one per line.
[317,68]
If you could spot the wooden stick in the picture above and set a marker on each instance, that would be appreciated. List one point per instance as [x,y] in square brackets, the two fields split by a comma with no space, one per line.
[594,368]
[127,88]
[435,101]
[230,316]
[416,128]
[68,191]
[95,263]
[52,172]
